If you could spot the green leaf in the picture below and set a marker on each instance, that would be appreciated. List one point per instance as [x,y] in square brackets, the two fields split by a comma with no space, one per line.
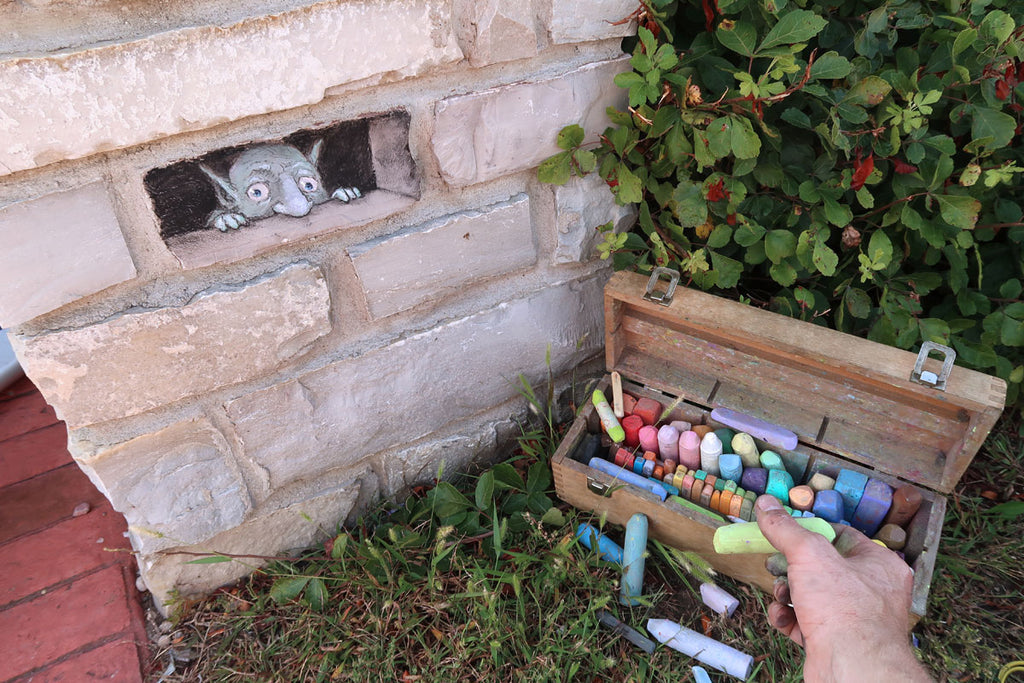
[485,490]
[858,303]
[538,478]
[796,117]
[570,136]
[719,135]
[1010,289]
[797,26]
[507,477]
[720,236]
[448,500]
[934,329]
[1009,510]
[214,559]
[630,189]
[553,517]
[879,250]
[316,594]
[825,260]
[868,92]
[779,245]
[748,233]
[837,214]
[994,124]
[783,273]
[555,170]
[677,145]
[960,212]
[689,205]
[729,270]
[741,38]
[964,40]
[1012,332]
[340,545]
[996,26]
[585,159]
[746,144]
[287,588]
[831,66]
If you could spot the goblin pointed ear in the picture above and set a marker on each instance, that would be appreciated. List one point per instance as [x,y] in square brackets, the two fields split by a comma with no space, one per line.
[314,152]
[223,187]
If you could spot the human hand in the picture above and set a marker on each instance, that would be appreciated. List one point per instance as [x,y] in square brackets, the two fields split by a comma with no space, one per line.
[850,601]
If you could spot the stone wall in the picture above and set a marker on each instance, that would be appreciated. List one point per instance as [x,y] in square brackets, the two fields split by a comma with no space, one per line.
[236,391]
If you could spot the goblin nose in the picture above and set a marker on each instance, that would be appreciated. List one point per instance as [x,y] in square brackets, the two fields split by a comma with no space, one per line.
[293,202]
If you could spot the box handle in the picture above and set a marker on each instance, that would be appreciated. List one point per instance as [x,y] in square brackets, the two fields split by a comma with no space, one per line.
[598,487]
[928,378]
[663,298]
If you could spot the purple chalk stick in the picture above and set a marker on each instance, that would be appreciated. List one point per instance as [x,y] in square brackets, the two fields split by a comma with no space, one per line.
[828,505]
[755,479]
[759,429]
[873,507]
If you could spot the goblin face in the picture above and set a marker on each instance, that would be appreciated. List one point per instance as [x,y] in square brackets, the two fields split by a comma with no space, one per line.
[273,179]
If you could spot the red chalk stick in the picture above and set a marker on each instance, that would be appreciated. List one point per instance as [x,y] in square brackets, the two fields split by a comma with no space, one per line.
[648,409]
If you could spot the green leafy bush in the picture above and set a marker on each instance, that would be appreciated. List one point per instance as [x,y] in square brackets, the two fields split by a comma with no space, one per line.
[853,163]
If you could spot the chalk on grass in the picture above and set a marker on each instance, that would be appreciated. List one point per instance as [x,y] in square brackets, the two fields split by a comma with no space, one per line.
[718,599]
[700,675]
[633,560]
[630,634]
[705,650]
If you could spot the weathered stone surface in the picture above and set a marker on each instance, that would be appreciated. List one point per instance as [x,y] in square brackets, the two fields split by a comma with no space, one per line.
[59,248]
[496,30]
[138,361]
[492,133]
[283,531]
[420,463]
[72,105]
[579,21]
[581,205]
[176,486]
[437,259]
[334,416]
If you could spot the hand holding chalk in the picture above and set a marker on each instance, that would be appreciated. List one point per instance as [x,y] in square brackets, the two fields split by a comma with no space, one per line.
[847,604]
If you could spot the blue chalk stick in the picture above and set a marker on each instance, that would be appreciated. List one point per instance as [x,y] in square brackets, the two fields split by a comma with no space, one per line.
[808,513]
[731,466]
[628,477]
[609,550]
[700,675]
[770,460]
[669,488]
[872,508]
[633,560]
[828,505]
[850,486]
[779,484]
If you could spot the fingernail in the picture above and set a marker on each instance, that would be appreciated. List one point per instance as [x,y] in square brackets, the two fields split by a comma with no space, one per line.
[767,503]
[784,619]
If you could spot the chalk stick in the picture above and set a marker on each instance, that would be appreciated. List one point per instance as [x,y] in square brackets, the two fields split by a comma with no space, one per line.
[607,415]
[893,536]
[668,442]
[689,450]
[702,430]
[730,485]
[700,675]
[747,509]
[608,550]
[681,425]
[747,538]
[705,495]
[850,486]
[873,507]
[725,435]
[743,445]
[779,484]
[828,504]
[770,460]
[755,479]
[630,634]
[633,560]
[731,466]
[648,437]
[624,475]
[670,466]
[705,650]
[696,490]
[700,474]
[632,424]
[736,506]
[756,427]
[906,500]
[628,403]
[648,409]
[724,502]
[690,505]
[808,513]
[720,484]
[821,482]
[588,447]
[718,599]
[669,488]
[801,497]
[716,501]
[710,479]
[617,405]
[710,452]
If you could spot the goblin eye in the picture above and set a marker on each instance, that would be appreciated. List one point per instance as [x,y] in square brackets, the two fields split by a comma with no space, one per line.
[258,192]
[308,184]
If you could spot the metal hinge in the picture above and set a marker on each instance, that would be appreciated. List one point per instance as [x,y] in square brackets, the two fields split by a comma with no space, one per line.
[927,377]
[663,298]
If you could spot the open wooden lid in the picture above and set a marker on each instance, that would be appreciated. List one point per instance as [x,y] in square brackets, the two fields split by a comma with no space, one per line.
[837,392]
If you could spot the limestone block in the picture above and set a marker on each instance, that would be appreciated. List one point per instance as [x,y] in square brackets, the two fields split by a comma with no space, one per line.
[134,362]
[581,206]
[59,248]
[399,393]
[579,21]
[66,106]
[420,463]
[282,531]
[176,486]
[504,130]
[496,30]
[437,259]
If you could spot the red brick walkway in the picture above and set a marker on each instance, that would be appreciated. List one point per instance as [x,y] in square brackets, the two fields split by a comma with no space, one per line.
[69,609]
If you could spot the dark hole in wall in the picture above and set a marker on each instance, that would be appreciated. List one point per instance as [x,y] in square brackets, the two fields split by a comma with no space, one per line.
[183,196]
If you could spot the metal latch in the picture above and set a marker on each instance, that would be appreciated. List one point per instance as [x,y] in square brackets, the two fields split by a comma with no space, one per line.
[598,487]
[927,377]
[663,298]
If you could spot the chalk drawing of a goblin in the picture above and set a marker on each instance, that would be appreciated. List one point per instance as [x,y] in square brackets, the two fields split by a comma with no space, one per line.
[269,179]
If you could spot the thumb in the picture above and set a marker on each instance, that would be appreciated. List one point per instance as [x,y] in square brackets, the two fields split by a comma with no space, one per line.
[781,529]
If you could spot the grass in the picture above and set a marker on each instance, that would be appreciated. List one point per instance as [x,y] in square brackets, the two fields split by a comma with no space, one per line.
[484,582]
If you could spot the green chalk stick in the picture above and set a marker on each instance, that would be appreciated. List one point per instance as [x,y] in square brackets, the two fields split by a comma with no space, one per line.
[747,538]
[690,505]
